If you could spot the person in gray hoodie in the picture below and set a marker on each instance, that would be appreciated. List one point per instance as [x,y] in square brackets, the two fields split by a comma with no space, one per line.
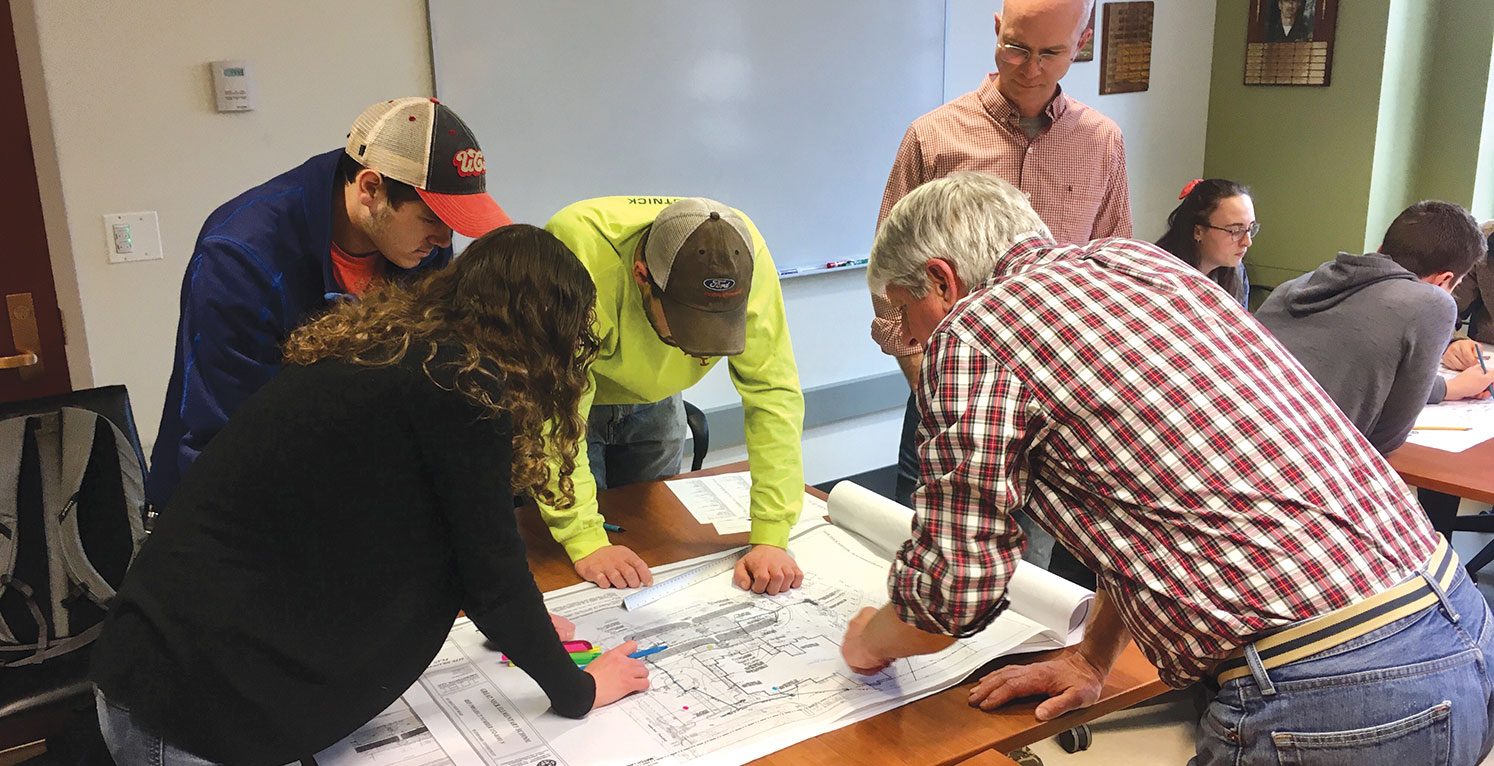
[1371,328]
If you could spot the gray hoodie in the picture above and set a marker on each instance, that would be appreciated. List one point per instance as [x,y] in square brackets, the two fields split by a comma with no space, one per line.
[1372,334]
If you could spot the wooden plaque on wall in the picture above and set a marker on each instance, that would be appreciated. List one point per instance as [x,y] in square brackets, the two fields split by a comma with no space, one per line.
[1290,42]
[1126,51]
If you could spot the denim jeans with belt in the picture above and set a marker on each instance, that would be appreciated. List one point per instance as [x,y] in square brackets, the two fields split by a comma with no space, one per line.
[629,443]
[1415,691]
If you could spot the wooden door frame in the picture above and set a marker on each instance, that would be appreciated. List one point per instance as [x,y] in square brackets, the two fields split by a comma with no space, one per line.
[29,270]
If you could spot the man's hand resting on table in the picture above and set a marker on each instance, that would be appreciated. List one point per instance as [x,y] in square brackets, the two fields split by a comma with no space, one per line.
[768,569]
[614,566]
[1070,682]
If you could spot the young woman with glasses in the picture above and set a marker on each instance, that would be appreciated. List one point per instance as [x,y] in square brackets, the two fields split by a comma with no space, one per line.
[1211,229]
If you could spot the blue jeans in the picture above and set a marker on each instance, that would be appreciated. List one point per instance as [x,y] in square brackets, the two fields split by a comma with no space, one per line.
[629,443]
[1415,691]
[130,744]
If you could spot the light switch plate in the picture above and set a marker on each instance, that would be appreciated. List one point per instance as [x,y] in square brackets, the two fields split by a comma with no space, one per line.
[132,237]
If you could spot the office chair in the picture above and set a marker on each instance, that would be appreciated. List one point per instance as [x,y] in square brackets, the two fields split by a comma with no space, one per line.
[40,701]
[1442,510]
[700,434]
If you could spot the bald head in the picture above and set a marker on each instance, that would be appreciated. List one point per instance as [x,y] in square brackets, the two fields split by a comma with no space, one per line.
[1070,14]
[1036,41]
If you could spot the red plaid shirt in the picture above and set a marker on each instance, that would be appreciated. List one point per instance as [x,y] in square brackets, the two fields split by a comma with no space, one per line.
[1131,407]
[1074,172]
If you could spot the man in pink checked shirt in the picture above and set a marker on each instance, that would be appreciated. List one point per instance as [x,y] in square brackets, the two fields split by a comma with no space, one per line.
[1019,124]
[1243,532]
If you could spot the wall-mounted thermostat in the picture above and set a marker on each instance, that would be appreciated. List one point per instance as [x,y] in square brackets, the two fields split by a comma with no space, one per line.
[233,83]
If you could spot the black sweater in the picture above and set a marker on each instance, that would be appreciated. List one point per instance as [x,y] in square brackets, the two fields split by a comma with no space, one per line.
[311,563]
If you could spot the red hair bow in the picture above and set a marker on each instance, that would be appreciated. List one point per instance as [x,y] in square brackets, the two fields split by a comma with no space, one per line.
[1188,187]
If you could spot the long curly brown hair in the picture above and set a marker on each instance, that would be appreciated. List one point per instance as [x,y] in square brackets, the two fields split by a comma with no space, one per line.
[517,301]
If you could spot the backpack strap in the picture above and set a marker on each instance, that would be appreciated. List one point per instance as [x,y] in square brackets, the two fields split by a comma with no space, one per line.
[53,498]
[12,444]
[78,428]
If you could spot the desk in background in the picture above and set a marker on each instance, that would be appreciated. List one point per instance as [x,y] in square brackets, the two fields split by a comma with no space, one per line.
[1469,473]
[938,729]
[1444,477]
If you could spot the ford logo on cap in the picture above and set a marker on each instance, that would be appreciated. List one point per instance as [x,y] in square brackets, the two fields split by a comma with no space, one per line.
[719,284]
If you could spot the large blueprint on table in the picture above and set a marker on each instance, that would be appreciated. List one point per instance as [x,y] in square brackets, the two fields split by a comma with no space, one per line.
[743,675]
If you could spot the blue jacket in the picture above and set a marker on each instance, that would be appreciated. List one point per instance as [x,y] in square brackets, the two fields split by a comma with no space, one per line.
[261,266]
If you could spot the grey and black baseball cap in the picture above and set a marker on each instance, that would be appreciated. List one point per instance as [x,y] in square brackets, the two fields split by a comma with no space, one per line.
[699,254]
[421,142]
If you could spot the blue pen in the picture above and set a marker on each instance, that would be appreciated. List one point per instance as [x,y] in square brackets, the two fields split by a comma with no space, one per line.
[641,653]
[612,527]
[1483,368]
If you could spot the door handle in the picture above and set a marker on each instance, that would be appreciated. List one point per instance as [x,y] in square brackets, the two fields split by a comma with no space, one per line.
[19,360]
[28,363]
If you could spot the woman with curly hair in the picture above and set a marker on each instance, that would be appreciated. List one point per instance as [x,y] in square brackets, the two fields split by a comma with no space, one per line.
[1211,229]
[317,552]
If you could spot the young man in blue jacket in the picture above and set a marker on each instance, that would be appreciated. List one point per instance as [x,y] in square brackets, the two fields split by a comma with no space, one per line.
[380,209]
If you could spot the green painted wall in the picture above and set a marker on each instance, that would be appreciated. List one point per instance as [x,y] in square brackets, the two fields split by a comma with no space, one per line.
[1483,182]
[1406,118]
[1457,92]
[1307,153]
[1405,96]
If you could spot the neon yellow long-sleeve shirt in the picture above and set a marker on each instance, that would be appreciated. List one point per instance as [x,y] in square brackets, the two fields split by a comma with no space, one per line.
[635,367]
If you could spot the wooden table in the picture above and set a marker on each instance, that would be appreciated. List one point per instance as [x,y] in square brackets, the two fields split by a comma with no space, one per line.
[1469,473]
[938,729]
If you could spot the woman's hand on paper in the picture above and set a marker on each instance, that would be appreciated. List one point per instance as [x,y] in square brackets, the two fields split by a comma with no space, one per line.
[767,569]
[614,566]
[1461,354]
[616,674]
[855,650]
[1070,682]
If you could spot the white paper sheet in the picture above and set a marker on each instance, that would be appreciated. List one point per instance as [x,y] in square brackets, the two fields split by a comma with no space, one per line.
[1477,415]
[744,674]
[723,501]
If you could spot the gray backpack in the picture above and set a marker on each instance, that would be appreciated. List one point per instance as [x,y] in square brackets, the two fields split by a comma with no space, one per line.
[72,518]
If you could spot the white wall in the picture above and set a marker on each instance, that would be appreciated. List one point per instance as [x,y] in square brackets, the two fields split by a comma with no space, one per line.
[128,107]
[123,119]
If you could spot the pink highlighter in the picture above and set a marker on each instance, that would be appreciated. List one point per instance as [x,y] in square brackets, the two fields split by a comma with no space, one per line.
[570,646]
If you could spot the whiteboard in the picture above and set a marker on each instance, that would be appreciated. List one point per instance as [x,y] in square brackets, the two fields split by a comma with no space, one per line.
[789,110]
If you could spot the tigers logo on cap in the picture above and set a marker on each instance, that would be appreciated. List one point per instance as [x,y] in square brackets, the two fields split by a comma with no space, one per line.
[421,142]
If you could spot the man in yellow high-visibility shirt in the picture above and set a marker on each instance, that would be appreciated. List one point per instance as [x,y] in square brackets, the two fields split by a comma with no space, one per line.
[681,283]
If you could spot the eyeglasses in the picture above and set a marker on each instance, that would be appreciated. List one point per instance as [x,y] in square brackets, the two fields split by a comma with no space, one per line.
[1237,231]
[1017,55]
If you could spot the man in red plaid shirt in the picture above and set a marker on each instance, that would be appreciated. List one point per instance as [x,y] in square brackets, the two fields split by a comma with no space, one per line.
[1242,531]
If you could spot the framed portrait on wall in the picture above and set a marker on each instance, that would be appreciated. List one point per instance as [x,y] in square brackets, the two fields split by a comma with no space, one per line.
[1290,42]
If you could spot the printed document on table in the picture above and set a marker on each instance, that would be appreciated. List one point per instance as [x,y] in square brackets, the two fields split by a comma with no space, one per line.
[743,675]
[1476,415]
[724,502]
[395,737]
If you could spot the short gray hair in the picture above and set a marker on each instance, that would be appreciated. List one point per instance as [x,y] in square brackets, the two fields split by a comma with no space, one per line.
[966,219]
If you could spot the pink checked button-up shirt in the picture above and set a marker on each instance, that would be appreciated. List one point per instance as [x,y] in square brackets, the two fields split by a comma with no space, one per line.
[1074,172]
